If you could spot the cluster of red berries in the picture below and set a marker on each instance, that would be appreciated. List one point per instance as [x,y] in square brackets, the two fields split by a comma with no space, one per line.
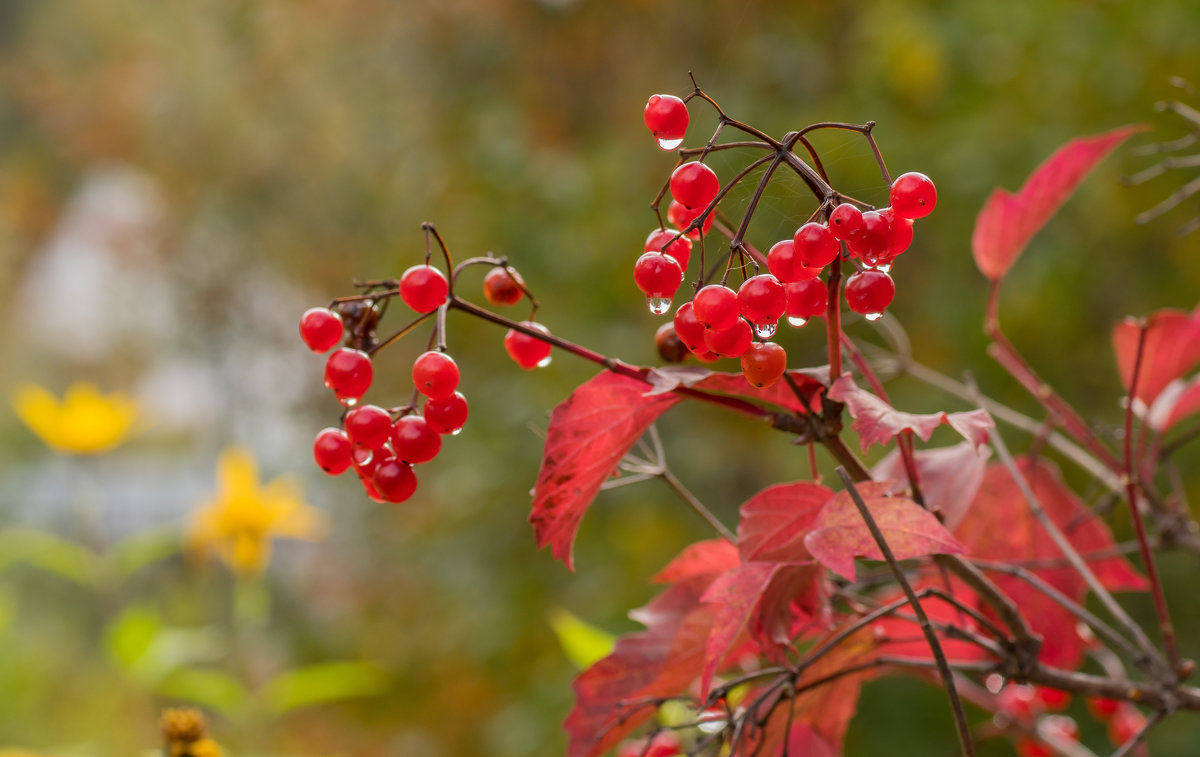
[721,322]
[1028,706]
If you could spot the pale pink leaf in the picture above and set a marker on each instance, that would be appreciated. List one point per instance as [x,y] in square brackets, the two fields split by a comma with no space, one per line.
[877,422]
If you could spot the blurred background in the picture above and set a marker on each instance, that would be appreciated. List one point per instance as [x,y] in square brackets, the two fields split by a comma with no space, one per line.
[179,181]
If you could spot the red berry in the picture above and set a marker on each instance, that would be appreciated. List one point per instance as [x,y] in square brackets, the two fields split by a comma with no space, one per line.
[321,329]
[447,416]
[369,426]
[1019,701]
[1053,700]
[845,222]
[707,356]
[716,306]
[763,363]
[423,288]
[870,292]
[348,373]
[815,245]
[527,351]
[689,330]
[666,117]
[786,265]
[670,348]
[806,299]
[730,342]
[1103,709]
[414,440]
[1034,748]
[900,235]
[394,480]
[1125,723]
[913,195]
[694,184]
[658,276]
[762,300]
[435,374]
[873,242]
[681,218]
[332,450]
[671,244]
[503,287]
[365,461]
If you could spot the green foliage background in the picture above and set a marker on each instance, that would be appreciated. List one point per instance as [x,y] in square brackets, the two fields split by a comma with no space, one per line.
[310,139]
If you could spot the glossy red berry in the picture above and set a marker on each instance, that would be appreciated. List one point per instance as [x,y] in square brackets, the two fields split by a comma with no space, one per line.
[870,292]
[503,287]
[806,299]
[1125,723]
[348,373]
[666,117]
[763,363]
[332,450]
[658,276]
[394,480]
[527,351]
[845,222]
[681,218]
[423,288]
[414,440]
[815,245]
[730,342]
[321,329]
[694,184]
[873,242]
[913,195]
[369,426]
[785,265]
[447,416]
[689,330]
[671,244]
[716,306]
[900,234]
[435,374]
[670,348]
[762,300]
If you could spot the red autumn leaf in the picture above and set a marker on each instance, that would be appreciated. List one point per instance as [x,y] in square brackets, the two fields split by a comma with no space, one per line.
[899,634]
[774,521]
[839,533]
[877,422]
[1007,221]
[949,477]
[1179,400]
[1172,348]
[1000,526]
[589,434]
[703,558]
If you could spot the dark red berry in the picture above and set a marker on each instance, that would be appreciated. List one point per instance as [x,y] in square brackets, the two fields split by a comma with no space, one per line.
[681,218]
[845,222]
[689,330]
[762,300]
[503,287]
[730,342]
[321,329]
[666,117]
[913,195]
[527,351]
[670,243]
[394,480]
[694,184]
[423,288]
[414,440]
[763,363]
[815,245]
[369,426]
[348,373]
[435,374]
[806,299]
[658,276]
[332,450]
[670,348]
[716,306]
[870,292]
[447,416]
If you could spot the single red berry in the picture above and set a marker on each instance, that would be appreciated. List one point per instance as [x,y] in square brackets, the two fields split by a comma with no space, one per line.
[681,218]
[689,330]
[332,450]
[527,351]
[730,342]
[348,373]
[368,486]
[1125,723]
[671,244]
[762,300]
[806,299]
[815,245]
[666,117]
[435,374]
[670,347]
[1019,701]
[321,329]
[716,306]
[870,292]
[845,222]
[1103,709]
[913,195]
[763,363]
[365,460]
[423,288]
[447,416]
[503,286]
[900,236]
[394,480]
[414,440]
[658,276]
[369,426]
[873,242]
[694,184]
[1053,700]
[785,265]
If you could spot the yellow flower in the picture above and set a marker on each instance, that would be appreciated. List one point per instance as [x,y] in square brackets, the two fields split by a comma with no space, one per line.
[183,734]
[85,422]
[240,521]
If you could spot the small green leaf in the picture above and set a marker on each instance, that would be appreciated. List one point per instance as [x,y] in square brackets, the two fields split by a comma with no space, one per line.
[582,643]
[144,548]
[130,635]
[48,552]
[211,689]
[326,682]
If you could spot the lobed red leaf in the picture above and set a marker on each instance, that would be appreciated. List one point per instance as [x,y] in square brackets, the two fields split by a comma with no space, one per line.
[1172,349]
[949,477]
[877,422]
[702,558]
[774,522]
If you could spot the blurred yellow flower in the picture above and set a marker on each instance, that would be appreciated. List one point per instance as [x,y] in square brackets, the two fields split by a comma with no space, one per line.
[85,422]
[240,521]
[183,734]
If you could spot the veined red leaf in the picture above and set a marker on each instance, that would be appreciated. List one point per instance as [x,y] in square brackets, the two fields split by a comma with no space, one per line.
[839,533]
[1000,526]
[877,422]
[774,521]
[703,558]
[589,434]
[949,477]
[1172,348]
[1008,221]
[1180,399]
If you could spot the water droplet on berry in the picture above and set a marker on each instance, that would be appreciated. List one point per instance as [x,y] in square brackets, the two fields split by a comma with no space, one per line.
[670,144]
[765,330]
[456,431]
[873,316]
[883,267]
[348,401]
[659,305]
[797,322]
[541,364]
